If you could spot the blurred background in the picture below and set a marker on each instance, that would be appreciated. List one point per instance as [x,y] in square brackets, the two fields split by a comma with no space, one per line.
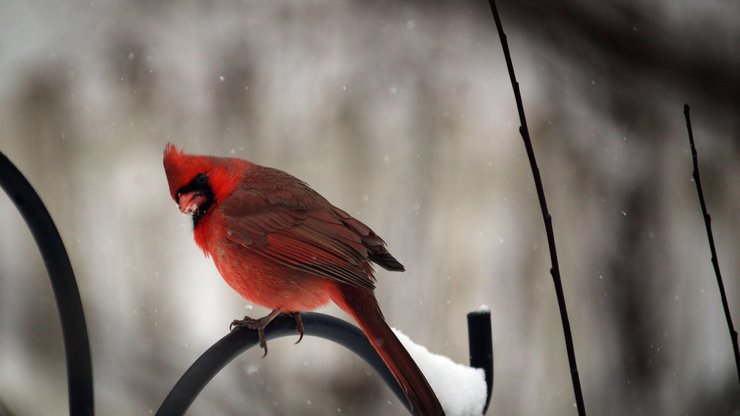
[402,114]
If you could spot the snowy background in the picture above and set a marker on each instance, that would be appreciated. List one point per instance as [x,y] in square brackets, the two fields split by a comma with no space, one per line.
[402,114]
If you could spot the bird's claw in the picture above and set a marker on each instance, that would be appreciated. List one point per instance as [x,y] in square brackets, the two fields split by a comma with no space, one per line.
[256,324]
[298,325]
[261,323]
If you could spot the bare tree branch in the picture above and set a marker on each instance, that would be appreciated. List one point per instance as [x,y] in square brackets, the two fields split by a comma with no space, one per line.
[555,270]
[712,249]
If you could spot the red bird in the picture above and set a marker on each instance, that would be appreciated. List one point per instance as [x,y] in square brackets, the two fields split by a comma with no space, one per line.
[281,245]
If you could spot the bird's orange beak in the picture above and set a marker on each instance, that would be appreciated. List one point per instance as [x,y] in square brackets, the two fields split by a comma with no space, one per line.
[190,202]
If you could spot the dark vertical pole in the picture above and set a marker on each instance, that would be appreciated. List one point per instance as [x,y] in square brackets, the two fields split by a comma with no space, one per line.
[480,345]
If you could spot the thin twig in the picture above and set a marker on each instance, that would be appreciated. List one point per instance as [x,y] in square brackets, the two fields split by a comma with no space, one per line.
[712,249]
[555,270]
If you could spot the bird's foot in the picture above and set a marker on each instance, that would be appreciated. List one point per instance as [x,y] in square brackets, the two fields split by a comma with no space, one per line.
[260,324]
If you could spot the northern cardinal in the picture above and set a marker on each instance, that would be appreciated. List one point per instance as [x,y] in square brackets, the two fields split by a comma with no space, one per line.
[281,245]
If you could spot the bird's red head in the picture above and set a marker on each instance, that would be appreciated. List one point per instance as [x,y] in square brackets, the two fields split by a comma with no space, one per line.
[182,168]
[198,182]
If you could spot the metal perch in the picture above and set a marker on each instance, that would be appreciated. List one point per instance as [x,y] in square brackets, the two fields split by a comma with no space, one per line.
[77,345]
[316,324]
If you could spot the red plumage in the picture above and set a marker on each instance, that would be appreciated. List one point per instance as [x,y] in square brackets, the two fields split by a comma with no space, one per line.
[281,245]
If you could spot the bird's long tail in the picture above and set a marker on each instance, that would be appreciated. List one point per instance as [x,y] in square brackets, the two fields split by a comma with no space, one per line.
[360,303]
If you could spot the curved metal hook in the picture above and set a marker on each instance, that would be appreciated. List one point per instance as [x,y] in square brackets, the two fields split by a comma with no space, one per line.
[77,345]
[74,330]
[334,329]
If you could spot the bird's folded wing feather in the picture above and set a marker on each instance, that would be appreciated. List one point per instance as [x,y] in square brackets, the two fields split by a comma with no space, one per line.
[279,217]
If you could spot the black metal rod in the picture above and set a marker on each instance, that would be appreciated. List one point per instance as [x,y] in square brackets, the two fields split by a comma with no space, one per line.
[76,341]
[480,346]
[710,236]
[74,330]
[236,342]
[229,347]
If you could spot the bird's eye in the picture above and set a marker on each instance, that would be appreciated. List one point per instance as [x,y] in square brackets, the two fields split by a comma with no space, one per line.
[201,178]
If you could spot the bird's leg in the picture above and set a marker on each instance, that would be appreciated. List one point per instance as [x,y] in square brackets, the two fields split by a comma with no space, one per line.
[258,324]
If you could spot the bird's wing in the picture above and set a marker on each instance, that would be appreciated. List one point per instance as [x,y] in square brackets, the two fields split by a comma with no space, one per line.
[279,217]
